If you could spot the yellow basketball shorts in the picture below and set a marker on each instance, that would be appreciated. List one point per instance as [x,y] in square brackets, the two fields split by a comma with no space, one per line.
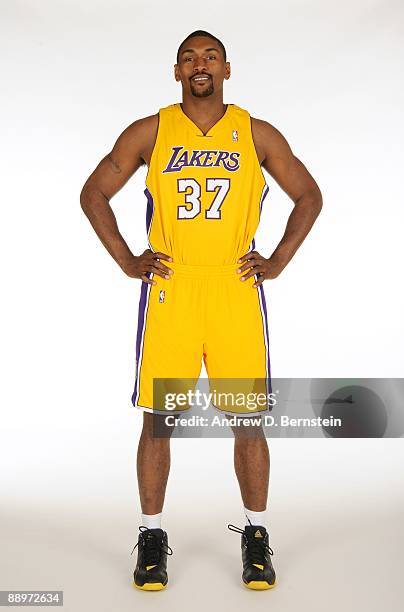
[203,312]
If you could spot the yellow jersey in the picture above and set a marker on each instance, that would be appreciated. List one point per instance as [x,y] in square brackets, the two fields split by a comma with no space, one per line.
[204,191]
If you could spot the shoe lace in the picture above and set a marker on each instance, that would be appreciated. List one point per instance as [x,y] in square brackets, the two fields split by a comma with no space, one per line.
[153,546]
[256,548]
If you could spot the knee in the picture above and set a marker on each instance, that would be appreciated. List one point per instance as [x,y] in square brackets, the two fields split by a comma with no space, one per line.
[154,428]
[248,434]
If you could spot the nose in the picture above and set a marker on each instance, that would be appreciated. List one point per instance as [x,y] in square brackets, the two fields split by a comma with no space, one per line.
[199,64]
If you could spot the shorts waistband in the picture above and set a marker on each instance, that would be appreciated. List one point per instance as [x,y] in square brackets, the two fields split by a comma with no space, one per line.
[202,271]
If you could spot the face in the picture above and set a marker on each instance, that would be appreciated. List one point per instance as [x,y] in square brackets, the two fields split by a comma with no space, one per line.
[201,67]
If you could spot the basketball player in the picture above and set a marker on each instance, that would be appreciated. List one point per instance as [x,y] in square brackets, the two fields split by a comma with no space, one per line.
[201,294]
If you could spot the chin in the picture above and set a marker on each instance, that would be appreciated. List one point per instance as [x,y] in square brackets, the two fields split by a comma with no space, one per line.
[202,94]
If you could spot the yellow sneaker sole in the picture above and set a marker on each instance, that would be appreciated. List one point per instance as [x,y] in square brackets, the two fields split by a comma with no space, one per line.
[259,585]
[150,586]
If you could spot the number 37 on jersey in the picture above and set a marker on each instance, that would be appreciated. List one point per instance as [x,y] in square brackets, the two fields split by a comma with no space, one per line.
[192,190]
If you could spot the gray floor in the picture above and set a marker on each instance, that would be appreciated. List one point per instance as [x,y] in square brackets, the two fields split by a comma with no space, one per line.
[336,525]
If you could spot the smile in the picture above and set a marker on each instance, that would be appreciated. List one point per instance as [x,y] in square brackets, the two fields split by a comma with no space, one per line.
[201,78]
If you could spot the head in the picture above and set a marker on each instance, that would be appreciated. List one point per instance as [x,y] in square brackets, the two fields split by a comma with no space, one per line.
[202,65]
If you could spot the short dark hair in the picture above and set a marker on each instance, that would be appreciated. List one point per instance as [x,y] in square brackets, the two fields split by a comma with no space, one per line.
[202,33]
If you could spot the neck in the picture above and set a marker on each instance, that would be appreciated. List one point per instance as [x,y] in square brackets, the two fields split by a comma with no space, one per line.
[204,110]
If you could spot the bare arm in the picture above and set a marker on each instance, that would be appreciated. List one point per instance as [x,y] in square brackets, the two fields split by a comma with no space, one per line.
[276,156]
[132,149]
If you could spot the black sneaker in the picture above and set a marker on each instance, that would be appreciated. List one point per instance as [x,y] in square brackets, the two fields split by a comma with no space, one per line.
[258,572]
[151,569]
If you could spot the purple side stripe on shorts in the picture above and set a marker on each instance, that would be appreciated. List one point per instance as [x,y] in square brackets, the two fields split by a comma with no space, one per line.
[264,315]
[144,298]
[140,325]
[144,292]
[264,304]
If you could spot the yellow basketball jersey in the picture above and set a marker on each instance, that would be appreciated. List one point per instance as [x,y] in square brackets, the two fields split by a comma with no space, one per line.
[205,192]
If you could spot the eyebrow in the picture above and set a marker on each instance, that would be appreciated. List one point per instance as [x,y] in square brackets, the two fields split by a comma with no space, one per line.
[193,50]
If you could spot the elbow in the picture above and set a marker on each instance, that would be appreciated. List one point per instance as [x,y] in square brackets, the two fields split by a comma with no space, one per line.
[318,203]
[84,198]
[89,196]
[314,200]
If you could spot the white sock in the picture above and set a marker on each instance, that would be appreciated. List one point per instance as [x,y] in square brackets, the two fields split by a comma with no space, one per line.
[152,521]
[256,518]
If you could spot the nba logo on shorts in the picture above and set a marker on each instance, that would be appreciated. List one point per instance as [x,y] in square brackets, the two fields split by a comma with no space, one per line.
[234,135]
[161,296]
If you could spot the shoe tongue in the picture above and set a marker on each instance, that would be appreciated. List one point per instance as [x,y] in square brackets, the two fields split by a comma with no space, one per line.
[156,532]
[255,531]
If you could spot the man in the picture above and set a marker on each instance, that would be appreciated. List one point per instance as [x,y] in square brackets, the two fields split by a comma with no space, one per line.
[202,294]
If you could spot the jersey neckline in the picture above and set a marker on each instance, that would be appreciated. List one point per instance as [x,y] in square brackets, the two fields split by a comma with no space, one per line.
[193,124]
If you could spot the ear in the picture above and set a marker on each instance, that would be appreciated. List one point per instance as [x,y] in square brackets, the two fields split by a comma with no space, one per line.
[176,73]
[227,71]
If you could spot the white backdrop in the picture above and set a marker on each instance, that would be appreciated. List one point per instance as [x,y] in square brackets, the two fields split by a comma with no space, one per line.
[74,75]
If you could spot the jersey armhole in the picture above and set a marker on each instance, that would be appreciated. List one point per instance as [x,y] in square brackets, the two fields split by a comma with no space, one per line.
[155,144]
[255,150]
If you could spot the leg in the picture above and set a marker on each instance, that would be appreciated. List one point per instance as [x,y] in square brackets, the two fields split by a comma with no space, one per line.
[153,464]
[236,356]
[251,464]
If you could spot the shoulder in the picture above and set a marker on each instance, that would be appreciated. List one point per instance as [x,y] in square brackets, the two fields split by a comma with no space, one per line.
[137,139]
[268,139]
[142,129]
[263,130]
[146,128]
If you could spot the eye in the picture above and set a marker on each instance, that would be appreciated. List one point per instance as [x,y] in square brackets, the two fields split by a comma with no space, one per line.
[211,56]
[189,58]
